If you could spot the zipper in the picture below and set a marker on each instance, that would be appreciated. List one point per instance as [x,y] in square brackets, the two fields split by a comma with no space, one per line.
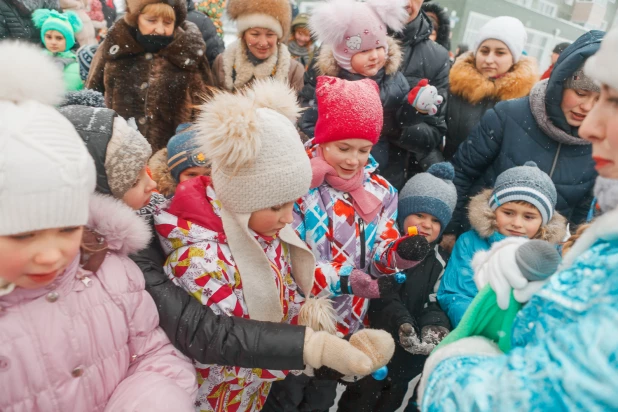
[553,166]
[361,229]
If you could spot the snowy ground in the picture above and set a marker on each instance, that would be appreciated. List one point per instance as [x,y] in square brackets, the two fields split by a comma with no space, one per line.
[340,389]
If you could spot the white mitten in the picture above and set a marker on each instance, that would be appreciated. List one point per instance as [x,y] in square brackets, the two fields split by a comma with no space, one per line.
[425,98]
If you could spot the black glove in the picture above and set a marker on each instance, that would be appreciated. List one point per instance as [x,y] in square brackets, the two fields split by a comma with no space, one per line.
[413,248]
[390,285]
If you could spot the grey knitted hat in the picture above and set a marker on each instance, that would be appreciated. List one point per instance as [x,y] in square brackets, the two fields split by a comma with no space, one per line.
[580,81]
[432,192]
[527,183]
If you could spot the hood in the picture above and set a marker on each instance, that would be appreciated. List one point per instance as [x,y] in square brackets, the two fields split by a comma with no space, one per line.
[190,6]
[327,65]
[370,167]
[467,82]
[166,185]
[417,31]
[483,220]
[444,23]
[570,60]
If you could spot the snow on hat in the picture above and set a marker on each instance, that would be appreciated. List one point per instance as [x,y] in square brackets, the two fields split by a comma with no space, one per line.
[351,27]
[527,183]
[600,67]
[508,30]
[46,173]
[348,110]
[432,192]
[184,151]
[67,23]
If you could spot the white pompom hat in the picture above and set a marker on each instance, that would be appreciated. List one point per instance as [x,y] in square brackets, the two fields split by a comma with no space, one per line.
[508,30]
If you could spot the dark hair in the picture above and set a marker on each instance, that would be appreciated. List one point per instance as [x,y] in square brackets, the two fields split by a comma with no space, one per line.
[462,49]
[561,47]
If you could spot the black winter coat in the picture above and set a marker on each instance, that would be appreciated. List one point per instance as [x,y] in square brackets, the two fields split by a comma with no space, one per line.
[16,18]
[415,304]
[531,128]
[214,42]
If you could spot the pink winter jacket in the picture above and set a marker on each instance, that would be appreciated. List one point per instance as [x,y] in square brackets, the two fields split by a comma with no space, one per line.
[97,347]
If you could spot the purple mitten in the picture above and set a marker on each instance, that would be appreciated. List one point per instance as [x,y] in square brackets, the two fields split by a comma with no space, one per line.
[364,286]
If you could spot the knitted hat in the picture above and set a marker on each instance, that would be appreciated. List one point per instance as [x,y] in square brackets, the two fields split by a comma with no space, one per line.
[600,66]
[67,23]
[85,54]
[46,173]
[508,30]
[135,7]
[351,27]
[258,161]
[302,20]
[432,192]
[527,183]
[184,151]
[267,14]
[560,47]
[580,81]
[348,110]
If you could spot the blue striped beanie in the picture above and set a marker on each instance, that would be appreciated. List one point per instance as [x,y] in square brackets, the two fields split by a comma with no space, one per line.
[184,151]
[525,183]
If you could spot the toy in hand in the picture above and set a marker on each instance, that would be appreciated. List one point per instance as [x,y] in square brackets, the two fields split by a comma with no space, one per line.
[425,98]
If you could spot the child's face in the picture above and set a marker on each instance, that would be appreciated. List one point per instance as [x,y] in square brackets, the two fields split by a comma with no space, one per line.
[33,260]
[428,225]
[347,156]
[268,222]
[517,219]
[369,62]
[139,195]
[55,41]
[192,172]
[302,37]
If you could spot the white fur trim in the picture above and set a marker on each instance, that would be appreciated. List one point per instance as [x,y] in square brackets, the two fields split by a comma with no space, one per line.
[318,314]
[29,75]
[264,21]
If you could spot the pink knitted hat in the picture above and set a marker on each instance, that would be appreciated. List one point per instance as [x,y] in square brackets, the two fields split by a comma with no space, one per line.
[348,110]
[351,27]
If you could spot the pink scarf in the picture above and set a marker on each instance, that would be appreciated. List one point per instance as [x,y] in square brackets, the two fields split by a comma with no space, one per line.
[366,204]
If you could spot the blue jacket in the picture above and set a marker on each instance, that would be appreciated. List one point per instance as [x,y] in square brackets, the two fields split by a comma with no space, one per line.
[531,128]
[565,343]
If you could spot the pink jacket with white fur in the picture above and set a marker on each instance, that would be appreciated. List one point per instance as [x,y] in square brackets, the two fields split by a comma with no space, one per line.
[92,345]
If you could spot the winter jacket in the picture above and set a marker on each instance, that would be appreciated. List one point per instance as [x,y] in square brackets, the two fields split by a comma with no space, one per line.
[91,342]
[471,94]
[16,19]
[457,289]
[233,69]
[214,42]
[86,35]
[160,90]
[415,304]
[201,262]
[444,23]
[564,342]
[531,128]
[393,88]
[70,69]
[338,237]
[301,54]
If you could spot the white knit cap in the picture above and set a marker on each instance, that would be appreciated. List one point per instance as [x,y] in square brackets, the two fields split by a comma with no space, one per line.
[46,173]
[508,30]
[600,67]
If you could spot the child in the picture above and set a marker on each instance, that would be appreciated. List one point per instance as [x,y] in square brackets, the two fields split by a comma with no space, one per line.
[58,36]
[182,160]
[77,329]
[521,204]
[301,44]
[348,219]
[229,240]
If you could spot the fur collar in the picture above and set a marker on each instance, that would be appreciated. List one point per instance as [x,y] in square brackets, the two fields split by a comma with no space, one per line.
[235,59]
[185,51]
[166,185]
[124,231]
[466,81]
[483,219]
[327,65]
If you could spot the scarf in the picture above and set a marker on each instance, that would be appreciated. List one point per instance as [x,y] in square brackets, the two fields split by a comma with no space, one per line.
[366,204]
[153,43]
[606,192]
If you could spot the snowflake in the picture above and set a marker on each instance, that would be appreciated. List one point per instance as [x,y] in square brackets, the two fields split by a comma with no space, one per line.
[197,404]
[208,292]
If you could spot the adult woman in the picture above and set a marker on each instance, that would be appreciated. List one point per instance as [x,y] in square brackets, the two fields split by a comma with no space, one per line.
[543,128]
[564,340]
[494,72]
[258,53]
[152,66]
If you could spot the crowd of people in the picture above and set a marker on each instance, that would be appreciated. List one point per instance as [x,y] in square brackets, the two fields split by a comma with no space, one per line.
[334,198]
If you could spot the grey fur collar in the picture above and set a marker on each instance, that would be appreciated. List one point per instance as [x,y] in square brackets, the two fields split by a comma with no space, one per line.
[539,111]
[606,192]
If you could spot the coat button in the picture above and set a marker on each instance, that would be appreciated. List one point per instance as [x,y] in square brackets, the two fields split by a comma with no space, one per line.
[144,85]
[148,56]
[52,297]
[142,120]
[77,372]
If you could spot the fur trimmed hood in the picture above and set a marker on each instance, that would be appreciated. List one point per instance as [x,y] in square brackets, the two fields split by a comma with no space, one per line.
[166,185]
[124,231]
[444,23]
[483,220]
[327,65]
[466,81]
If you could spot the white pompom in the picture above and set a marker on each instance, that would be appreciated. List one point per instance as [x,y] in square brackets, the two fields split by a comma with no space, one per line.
[392,12]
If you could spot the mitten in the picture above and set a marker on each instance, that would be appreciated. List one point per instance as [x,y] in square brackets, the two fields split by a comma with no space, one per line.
[410,250]
[425,98]
[409,340]
[358,283]
[433,334]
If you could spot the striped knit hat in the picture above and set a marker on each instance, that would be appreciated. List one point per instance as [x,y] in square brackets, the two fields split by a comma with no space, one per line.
[527,183]
[184,150]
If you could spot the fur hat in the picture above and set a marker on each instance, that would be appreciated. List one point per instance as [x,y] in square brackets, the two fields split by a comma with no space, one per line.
[46,173]
[258,161]
[135,7]
[599,66]
[350,27]
[67,23]
[508,30]
[275,15]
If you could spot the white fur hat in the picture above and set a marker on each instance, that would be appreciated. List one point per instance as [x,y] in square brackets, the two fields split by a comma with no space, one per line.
[46,173]
[508,30]
[600,67]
